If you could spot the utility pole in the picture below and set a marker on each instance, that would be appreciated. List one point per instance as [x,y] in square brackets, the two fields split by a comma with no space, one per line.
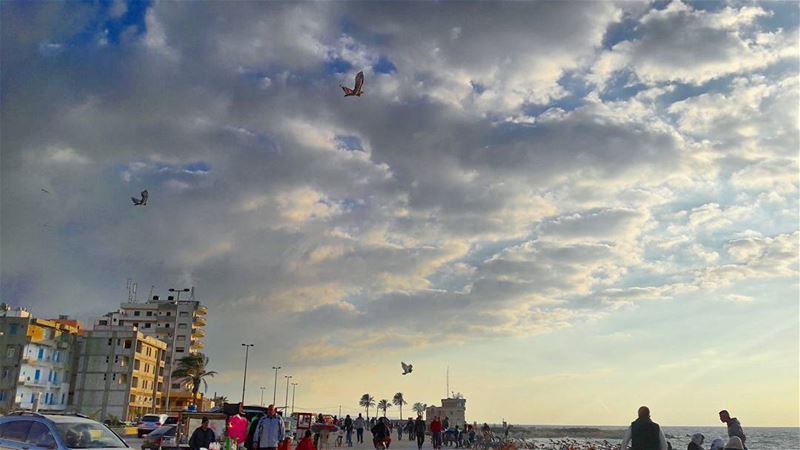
[262,395]
[275,385]
[286,400]
[294,386]
[244,381]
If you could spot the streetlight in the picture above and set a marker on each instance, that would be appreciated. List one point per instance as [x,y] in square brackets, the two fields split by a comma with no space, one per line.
[244,381]
[275,385]
[172,350]
[262,395]
[294,386]
[286,400]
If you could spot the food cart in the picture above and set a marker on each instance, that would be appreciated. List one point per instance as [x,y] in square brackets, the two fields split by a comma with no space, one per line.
[190,421]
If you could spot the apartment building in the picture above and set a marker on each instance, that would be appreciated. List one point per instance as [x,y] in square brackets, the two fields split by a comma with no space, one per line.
[120,373]
[178,323]
[35,368]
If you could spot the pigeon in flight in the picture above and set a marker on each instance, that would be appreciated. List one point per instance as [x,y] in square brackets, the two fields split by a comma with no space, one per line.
[45,191]
[142,201]
[407,368]
[356,91]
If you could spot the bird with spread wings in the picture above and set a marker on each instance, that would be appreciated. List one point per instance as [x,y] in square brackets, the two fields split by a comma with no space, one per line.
[356,91]
[407,368]
[141,201]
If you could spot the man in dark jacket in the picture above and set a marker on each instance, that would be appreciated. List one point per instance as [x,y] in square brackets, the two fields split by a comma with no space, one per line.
[644,434]
[419,431]
[734,427]
[202,436]
[379,434]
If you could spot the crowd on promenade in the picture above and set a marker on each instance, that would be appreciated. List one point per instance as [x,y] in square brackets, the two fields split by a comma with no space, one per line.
[268,432]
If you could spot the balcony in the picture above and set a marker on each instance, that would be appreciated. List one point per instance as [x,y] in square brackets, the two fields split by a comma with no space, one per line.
[202,310]
[198,333]
[197,345]
[199,321]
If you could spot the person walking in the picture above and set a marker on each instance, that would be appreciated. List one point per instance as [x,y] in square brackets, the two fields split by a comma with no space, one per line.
[359,423]
[436,433]
[400,427]
[734,427]
[270,431]
[379,434]
[419,431]
[644,434]
[348,429]
[202,437]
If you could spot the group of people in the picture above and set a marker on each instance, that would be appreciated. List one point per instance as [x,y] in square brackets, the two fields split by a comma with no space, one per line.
[644,434]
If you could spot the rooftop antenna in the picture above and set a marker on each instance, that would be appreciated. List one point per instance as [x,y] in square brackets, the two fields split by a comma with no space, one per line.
[131,291]
[149,297]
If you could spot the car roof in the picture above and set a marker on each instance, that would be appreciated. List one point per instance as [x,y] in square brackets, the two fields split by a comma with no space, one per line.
[56,418]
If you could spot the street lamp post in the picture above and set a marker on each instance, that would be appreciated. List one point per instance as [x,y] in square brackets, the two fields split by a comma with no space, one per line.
[244,381]
[294,386]
[275,385]
[262,395]
[286,400]
[172,349]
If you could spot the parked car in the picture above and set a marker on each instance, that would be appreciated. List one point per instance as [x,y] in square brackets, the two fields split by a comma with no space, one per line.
[150,422]
[28,431]
[161,437]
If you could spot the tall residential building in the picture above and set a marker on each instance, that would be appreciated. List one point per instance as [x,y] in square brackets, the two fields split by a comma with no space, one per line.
[177,322]
[35,367]
[119,373]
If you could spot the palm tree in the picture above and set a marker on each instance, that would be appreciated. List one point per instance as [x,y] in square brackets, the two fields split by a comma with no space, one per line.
[399,401]
[384,405]
[192,369]
[220,399]
[419,408]
[367,401]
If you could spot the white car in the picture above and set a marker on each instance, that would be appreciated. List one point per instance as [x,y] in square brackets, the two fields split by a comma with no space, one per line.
[150,422]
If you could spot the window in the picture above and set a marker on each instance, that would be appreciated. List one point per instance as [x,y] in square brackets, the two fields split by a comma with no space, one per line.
[147,325]
[110,342]
[149,313]
[105,376]
[136,324]
[41,354]
[136,364]
[11,351]
[181,338]
[138,346]
[2,395]
[179,349]
[102,322]
[135,382]
[123,379]
[37,374]
[107,359]
[176,385]
[181,326]
[16,430]
[184,314]
[128,343]
[136,313]
[12,329]
[63,399]
[57,356]
[166,325]
[169,313]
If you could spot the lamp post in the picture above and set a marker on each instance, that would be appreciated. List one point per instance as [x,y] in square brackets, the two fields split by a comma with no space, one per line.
[294,386]
[244,381]
[172,349]
[262,395]
[286,400]
[275,385]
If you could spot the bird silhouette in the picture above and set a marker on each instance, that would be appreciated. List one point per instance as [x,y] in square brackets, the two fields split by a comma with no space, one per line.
[142,201]
[407,368]
[356,91]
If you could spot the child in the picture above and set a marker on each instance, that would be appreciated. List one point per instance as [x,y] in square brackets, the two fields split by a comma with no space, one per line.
[339,437]
[306,443]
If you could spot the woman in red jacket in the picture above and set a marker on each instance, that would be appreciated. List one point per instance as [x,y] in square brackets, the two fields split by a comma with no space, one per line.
[436,433]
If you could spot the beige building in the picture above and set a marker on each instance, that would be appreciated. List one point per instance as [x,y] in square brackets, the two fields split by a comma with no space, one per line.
[35,361]
[177,322]
[453,408]
[120,373]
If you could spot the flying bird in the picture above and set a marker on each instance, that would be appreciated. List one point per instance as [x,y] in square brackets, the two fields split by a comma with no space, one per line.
[407,368]
[356,91]
[142,201]
[45,191]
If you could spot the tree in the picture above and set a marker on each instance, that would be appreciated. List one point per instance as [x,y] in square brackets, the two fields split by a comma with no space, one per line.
[367,401]
[220,400]
[419,408]
[384,405]
[192,369]
[399,401]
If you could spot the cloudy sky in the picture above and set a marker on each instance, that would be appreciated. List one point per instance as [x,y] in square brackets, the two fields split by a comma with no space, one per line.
[579,207]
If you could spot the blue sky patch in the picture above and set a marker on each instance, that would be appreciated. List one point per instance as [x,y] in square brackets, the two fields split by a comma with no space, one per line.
[349,142]
[384,66]
[337,66]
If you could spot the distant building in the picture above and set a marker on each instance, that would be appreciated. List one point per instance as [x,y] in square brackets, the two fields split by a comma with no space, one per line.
[177,322]
[35,368]
[119,373]
[453,408]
